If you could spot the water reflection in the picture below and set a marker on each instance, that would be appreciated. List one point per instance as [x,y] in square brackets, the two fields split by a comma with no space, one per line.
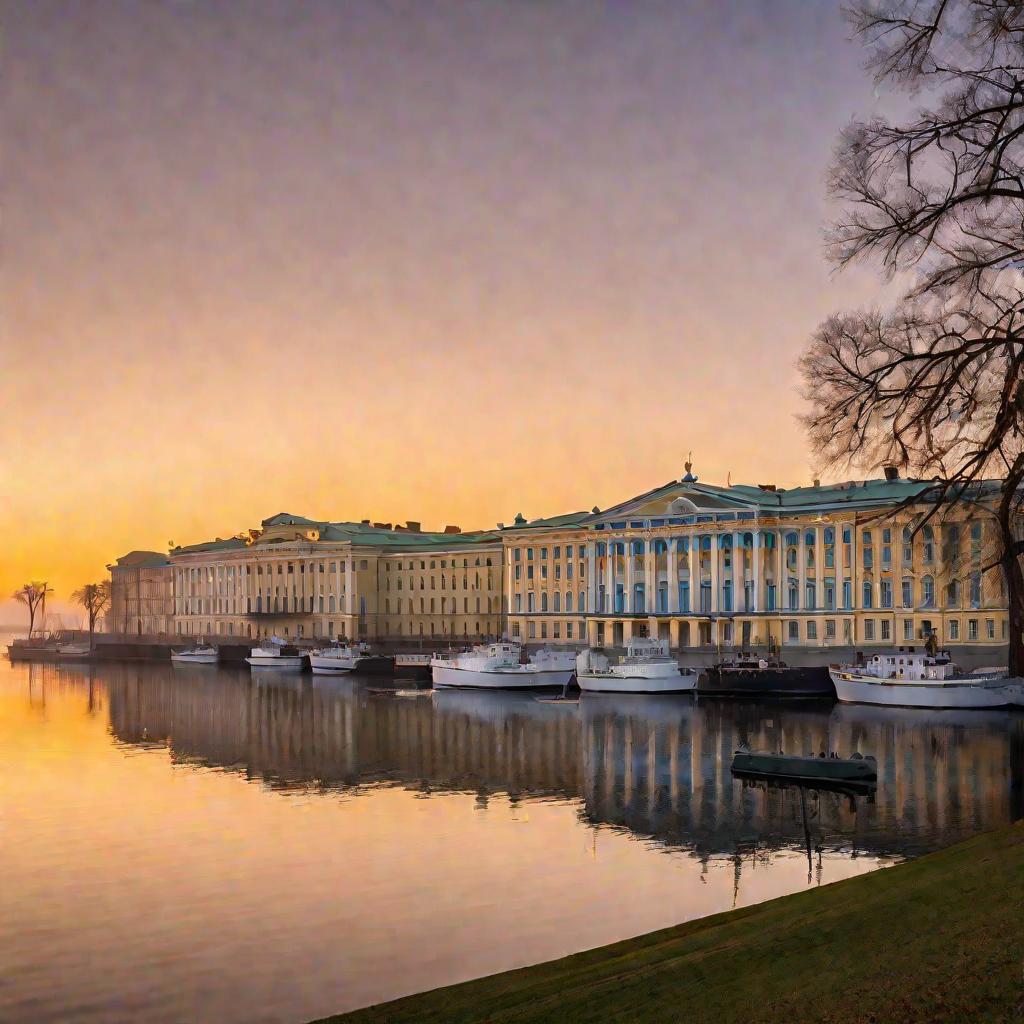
[655,766]
[183,826]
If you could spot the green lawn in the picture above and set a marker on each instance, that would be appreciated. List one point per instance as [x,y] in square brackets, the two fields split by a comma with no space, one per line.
[940,938]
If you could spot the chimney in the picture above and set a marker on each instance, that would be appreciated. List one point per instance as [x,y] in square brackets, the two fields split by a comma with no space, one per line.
[453,529]
[892,473]
[817,483]
[382,526]
[412,524]
[766,487]
[365,522]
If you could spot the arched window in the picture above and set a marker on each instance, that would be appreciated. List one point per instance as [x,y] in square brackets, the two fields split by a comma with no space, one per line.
[568,600]
[556,602]
[544,602]
[907,592]
[928,592]
[867,595]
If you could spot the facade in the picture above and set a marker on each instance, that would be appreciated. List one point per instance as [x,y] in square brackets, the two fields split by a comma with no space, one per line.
[141,594]
[705,567]
[708,567]
[299,578]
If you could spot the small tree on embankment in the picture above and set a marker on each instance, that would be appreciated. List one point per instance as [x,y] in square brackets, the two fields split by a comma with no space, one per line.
[93,597]
[33,597]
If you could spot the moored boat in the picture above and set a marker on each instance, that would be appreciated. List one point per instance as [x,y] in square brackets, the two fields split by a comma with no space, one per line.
[499,666]
[830,768]
[922,680]
[413,666]
[748,675]
[74,651]
[356,658]
[197,654]
[646,667]
[276,654]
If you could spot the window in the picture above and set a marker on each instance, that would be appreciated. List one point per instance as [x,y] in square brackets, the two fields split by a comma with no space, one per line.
[990,629]
[533,630]
[886,629]
[954,629]
[928,592]
[830,629]
[515,629]
[869,629]
[972,629]
[907,592]
[908,629]
[568,631]
[886,588]
[847,594]
[793,631]
[866,595]
[812,631]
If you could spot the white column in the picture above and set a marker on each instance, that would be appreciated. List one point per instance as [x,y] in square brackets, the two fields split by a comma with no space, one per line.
[755,555]
[609,577]
[737,571]
[716,597]
[673,576]
[694,576]
[801,565]
[819,566]
[510,572]
[591,577]
[628,602]
[350,584]
[650,577]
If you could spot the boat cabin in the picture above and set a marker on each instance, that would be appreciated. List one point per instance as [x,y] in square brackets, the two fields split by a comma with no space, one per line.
[910,665]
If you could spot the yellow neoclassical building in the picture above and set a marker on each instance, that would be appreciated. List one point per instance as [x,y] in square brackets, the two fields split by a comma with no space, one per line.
[707,567]
[704,566]
[299,578]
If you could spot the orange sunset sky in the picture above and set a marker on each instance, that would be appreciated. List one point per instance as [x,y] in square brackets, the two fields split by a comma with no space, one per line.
[446,261]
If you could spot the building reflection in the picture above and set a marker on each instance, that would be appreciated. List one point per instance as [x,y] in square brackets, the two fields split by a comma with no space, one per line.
[655,766]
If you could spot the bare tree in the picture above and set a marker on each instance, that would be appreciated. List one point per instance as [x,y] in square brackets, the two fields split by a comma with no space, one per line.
[936,384]
[33,596]
[93,597]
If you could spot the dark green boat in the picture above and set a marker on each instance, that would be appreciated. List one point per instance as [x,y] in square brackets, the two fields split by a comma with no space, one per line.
[830,768]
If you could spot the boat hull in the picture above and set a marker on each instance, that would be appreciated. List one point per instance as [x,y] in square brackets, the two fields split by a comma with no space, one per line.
[790,683]
[194,659]
[824,769]
[592,683]
[364,666]
[285,663]
[853,689]
[446,677]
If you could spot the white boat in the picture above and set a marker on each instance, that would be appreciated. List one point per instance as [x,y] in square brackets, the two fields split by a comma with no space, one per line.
[499,666]
[197,654]
[646,667]
[348,658]
[271,655]
[74,650]
[922,680]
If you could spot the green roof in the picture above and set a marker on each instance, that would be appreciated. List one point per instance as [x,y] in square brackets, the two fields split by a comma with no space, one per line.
[141,560]
[568,519]
[210,545]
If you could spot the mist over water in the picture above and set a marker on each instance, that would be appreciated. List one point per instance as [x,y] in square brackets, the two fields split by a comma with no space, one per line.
[196,845]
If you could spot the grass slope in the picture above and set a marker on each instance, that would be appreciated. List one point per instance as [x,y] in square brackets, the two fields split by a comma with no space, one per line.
[940,938]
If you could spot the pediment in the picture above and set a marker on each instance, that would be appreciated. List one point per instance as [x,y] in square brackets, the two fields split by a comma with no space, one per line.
[679,499]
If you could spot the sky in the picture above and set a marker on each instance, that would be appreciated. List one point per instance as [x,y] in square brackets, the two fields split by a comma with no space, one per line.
[434,260]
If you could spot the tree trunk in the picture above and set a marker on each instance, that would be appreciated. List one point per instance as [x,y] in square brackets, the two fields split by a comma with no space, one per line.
[31,619]
[1009,507]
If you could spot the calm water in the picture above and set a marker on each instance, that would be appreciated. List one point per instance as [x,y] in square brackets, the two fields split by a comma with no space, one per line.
[188,845]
